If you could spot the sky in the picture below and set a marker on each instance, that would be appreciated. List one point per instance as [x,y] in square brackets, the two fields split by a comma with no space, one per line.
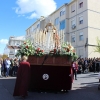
[17,15]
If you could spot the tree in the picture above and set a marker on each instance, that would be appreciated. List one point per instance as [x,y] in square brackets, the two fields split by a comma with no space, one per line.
[97,48]
[4,56]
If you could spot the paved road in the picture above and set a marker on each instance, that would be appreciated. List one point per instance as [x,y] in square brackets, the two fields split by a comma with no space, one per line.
[85,88]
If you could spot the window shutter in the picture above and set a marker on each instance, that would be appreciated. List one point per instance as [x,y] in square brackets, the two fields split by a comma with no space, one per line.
[63,9]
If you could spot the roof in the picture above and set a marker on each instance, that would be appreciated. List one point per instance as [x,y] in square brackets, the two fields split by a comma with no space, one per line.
[71,2]
[58,9]
[18,38]
[38,20]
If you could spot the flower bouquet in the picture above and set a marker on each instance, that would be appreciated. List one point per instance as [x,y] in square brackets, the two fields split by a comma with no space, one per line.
[66,50]
[54,52]
[39,52]
[26,49]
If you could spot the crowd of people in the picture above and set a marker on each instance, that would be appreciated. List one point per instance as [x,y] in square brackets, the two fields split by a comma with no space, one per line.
[8,67]
[89,65]
[86,65]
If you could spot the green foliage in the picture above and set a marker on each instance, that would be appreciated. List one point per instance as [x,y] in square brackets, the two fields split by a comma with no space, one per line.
[74,57]
[97,48]
[4,56]
[26,49]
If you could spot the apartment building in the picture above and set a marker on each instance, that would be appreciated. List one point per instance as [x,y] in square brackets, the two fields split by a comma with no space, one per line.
[38,25]
[13,45]
[85,16]
[80,20]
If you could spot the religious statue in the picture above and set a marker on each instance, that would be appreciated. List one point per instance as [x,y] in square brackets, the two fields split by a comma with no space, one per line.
[48,38]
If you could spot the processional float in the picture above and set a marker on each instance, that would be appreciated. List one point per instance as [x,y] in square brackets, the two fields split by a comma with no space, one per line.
[55,73]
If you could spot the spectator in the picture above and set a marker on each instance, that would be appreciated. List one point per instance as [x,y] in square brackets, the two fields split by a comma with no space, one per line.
[86,65]
[1,67]
[80,65]
[75,68]
[16,64]
[7,66]
[11,67]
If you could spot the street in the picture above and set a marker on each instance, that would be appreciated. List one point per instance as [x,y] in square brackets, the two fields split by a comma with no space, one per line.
[85,88]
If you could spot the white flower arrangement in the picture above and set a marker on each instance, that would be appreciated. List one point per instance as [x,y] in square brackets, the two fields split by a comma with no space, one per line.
[66,49]
[26,49]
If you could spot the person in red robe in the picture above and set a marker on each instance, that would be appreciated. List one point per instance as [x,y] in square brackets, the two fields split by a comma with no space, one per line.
[23,78]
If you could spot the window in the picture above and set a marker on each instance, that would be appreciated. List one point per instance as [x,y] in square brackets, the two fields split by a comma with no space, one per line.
[80,3]
[81,53]
[28,32]
[57,21]
[73,38]
[73,22]
[81,20]
[73,25]
[38,25]
[62,12]
[17,44]
[73,8]
[11,52]
[32,28]
[62,25]
[81,36]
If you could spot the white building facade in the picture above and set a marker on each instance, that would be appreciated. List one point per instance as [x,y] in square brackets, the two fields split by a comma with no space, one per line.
[13,45]
[80,20]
